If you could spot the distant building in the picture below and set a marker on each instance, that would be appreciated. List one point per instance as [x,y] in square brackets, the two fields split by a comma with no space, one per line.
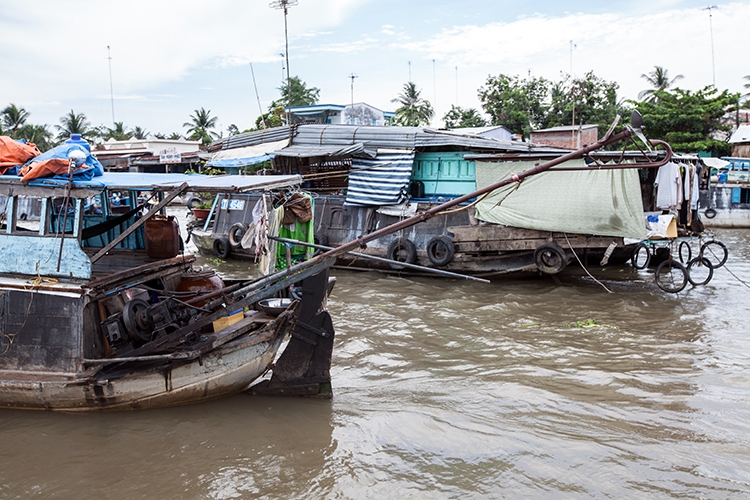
[335,114]
[568,137]
[740,142]
[148,155]
[493,132]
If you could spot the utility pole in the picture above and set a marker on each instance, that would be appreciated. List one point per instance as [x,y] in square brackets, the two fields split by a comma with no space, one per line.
[711,31]
[283,5]
[111,91]
[352,114]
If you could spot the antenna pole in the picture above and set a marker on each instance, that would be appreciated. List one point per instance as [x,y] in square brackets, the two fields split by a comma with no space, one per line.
[111,91]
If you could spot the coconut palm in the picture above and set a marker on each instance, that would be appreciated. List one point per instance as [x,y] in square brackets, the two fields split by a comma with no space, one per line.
[73,123]
[38,134]
[140,133]
[119,132]
[200,126]
[414,110]
[659,79]
[13,118]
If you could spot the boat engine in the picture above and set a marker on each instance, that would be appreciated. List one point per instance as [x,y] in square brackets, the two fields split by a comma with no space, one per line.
[140,322]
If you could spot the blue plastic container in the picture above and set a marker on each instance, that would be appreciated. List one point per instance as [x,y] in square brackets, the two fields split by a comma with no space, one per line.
[77,139]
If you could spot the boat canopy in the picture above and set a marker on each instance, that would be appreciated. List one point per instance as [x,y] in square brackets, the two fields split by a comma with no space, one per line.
[161,182]
[602,202]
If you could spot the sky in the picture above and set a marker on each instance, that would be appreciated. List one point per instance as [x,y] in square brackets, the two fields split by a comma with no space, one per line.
[153,63]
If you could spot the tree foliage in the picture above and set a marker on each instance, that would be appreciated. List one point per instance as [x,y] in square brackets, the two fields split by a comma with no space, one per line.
[659,80]
[689,121]
[459,117]
[13,118]
[75,123]
[301,94]
[118,132]
[586,100]
[200,127]
[414,111]
[517,104]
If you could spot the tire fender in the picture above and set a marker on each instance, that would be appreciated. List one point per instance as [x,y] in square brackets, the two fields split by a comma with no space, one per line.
[236,232]
[440,250]
[550,258]
[402,250]
[192,202]
[222,247]
[710,213]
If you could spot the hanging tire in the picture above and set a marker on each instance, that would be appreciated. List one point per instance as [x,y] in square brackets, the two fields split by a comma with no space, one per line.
[236,232]
[402,250]
[716,252]
[710,213]
[222,247]
[671,276]
[700,271]
[683,246]
[641,256]
[193,202]
[319,239]
[440,250]
[550,258]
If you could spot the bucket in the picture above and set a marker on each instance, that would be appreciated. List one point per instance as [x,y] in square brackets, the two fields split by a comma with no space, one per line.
[162,237]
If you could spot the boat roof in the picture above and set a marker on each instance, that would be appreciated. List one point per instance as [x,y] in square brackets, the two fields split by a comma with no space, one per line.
[160,182]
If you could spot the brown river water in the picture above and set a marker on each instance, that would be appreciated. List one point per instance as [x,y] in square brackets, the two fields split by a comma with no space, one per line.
[523,388]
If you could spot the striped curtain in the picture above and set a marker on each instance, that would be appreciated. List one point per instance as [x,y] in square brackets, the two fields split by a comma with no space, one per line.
[382,181]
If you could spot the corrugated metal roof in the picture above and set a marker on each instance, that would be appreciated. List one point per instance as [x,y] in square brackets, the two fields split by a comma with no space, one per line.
[371,137]
[304,151]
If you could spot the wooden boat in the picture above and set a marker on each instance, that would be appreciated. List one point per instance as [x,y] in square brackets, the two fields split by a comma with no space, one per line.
[93,314]
[440,167]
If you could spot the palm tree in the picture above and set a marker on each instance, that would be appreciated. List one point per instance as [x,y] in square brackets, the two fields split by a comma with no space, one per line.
[140,133]
[37,134]
[118,132]
[73,123]
[200,126]
[14,118]
[414,110]
[659,79]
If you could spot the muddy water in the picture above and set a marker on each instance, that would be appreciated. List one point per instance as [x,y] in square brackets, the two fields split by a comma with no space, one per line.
[524,388]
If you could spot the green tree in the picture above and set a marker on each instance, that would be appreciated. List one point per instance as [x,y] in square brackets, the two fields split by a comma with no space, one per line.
[38,134]
[13,118]
[119,132]
[659,80]
[689,121]
[75,123]
[586,100]
[271,119]
[301,94]
[458,117]
[140,133]
[520,105]
[200,127]
[414,111]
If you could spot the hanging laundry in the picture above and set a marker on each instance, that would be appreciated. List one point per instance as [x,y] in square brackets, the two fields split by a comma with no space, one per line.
[668,181]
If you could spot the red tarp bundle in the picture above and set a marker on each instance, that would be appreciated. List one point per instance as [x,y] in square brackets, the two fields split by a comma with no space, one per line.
[46,168]
[14,153]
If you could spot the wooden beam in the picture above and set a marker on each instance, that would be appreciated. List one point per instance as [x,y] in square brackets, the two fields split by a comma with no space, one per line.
[174,194]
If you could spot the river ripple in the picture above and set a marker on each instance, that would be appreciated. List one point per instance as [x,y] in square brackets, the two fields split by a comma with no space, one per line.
[447,389]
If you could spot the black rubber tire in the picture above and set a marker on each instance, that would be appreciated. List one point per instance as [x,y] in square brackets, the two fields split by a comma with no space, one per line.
[222,247]
[710,213]
[550,258]
[700,262]
[689,257]
[319,239]
[634,260]
[668,285]
[402,250]
[236,232]
[193,202]
[714,257]
[440,250]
